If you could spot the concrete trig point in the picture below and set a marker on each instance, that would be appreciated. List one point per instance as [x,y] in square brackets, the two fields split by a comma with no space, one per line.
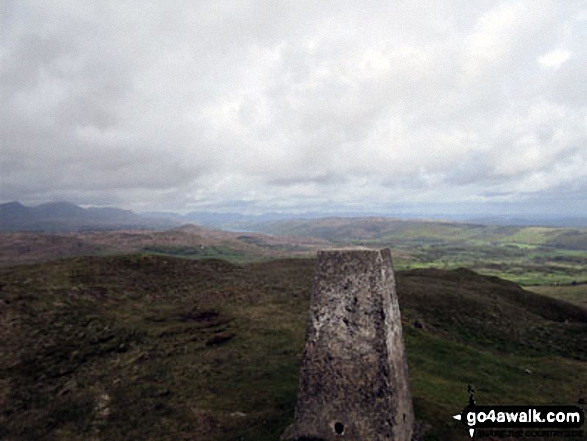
[354,376]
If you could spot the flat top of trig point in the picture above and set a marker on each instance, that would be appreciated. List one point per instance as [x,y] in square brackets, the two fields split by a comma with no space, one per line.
[351,250]
[358,255]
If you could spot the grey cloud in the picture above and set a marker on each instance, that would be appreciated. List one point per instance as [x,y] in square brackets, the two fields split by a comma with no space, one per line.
[325,179]
[296,104]
[26,60]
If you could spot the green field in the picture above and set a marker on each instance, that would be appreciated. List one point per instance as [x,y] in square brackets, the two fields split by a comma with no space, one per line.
[521,264]
[161,348]
[576,294]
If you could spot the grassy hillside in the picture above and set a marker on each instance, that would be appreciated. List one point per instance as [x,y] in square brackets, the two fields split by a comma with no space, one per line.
[189,241]
[161,348]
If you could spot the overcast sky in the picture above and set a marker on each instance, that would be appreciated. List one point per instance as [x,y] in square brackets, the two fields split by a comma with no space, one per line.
[256,106]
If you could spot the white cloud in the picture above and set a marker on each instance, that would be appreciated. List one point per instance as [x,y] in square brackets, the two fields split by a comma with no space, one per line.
[554,59]
[261,106]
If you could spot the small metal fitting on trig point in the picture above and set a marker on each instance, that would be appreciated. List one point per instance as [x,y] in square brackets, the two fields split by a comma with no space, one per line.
[354,377]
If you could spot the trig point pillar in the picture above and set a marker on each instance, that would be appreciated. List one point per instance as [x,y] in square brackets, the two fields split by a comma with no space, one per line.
[354,377]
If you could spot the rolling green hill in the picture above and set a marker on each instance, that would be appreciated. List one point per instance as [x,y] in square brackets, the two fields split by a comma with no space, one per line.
[162,348]
[526,255]
[402,232]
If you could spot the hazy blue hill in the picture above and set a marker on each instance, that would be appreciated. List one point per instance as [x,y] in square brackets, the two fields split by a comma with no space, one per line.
[230,221]
[536,220]
[112,214]
[13,212]
[240,221]
[65,216]
[379,228]
[58,210]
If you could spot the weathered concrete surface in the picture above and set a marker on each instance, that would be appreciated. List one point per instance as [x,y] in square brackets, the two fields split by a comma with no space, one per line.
[354,378]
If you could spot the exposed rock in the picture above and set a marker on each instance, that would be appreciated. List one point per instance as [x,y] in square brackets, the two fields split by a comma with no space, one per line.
[354,378]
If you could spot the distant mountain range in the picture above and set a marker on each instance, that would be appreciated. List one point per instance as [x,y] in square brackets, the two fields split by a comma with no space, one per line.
[65,216]
[226,221]
[239,221]
[531,220]
[265,221]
